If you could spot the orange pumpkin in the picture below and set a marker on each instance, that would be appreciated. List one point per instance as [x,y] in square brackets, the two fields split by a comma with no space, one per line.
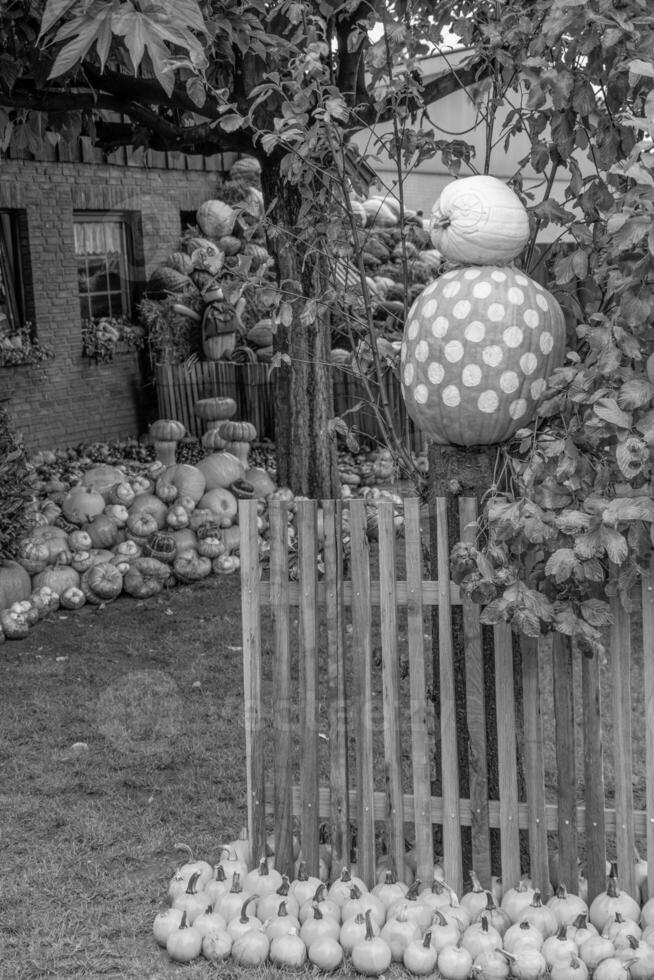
[101,583]
[215,409]
[221,469]
[189,480]
[15,583]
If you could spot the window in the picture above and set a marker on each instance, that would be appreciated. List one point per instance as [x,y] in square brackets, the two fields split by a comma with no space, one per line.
[103,252]
[12,302]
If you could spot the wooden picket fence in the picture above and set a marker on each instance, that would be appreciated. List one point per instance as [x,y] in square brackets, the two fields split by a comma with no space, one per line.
[179,386]
[340,741]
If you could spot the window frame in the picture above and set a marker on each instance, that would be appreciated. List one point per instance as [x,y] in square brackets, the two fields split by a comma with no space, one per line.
[12,278]
[129,280]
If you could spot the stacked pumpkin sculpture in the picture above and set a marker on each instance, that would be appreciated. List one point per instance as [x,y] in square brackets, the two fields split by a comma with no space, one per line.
[481,340]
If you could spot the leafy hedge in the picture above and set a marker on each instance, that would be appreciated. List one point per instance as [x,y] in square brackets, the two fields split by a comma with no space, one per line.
[14,492]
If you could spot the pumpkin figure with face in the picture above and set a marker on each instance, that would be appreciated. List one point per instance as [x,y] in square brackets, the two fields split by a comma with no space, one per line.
[479,344]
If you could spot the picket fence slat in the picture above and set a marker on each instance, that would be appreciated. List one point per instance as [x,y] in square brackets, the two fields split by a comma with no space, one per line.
[420,756]
[506,752]
[452,858]
[308,685]
[595,850]
[391,730]
[254,722]
[620,660]
[564,715]
[362,651]
[475,713]
[390,689]
[535,765]
[282,803]
[338,774]
[647,605]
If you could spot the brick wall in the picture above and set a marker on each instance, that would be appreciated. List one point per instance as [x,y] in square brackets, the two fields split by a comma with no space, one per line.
[72,399]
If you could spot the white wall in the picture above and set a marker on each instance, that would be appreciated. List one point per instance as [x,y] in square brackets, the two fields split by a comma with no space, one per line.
[456,117]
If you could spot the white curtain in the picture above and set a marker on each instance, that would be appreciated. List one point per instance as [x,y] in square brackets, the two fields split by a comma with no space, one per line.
[98,237]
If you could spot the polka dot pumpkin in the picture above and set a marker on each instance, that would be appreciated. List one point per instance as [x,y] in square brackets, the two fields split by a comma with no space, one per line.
[478,346]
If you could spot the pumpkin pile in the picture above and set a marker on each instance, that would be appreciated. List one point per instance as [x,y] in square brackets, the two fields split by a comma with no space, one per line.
[255,917]
[481,340]
[117,533]
[134,528]
[209,297]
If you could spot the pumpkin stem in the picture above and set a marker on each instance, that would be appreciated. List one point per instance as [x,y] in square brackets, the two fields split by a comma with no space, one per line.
[438,918]
[369,930]
[282,910]
[244,916]
[355,892]
[182,922]
[283,888]
[414,891]
[345,875]
[427,940]
[219,873]
[390,878]
[319,893]
[490,902]
[317,914]
[192,882]
[236,882]
[263,867]
[302,871]
[476,884]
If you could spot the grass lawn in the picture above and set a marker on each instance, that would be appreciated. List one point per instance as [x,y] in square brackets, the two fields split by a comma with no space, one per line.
[152,690]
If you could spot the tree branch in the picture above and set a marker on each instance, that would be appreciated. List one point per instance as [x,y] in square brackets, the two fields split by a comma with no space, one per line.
[204,139]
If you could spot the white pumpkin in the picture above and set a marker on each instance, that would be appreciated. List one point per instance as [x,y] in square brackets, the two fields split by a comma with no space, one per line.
[479,220]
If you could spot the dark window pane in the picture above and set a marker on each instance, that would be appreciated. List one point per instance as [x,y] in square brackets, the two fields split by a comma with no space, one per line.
[100,305]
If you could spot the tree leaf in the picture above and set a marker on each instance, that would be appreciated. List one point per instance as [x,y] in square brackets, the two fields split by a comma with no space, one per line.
[561,564]
[596,612]
[572,521]
[54,11]
[628,509]
[588,545]
[631,455]
[73,52]
[635,393]
[527,623]
[231,122]
[615,544]
[640,67]
[196,91]
[608,409]
[493,613]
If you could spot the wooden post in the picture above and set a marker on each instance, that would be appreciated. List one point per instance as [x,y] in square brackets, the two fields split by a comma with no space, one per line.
[454,473]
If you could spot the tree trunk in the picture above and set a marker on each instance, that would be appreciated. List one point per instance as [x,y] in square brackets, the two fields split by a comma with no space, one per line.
[304,405]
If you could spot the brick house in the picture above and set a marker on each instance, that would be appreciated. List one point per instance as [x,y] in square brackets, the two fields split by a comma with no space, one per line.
[80,234]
